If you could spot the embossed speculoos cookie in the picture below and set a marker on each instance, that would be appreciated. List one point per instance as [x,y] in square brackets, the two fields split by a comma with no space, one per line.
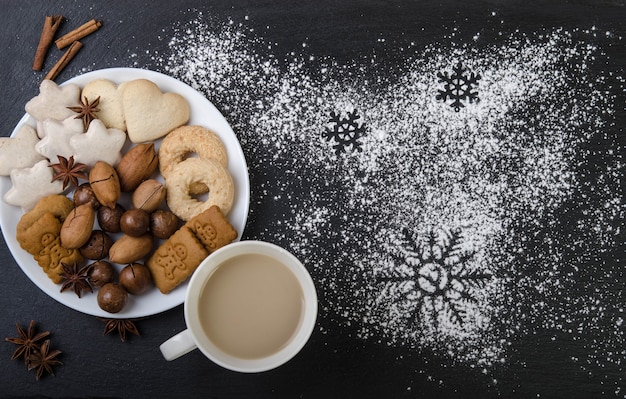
[176,259]
[58,205]
[212,228]
[39,233]
[42,240]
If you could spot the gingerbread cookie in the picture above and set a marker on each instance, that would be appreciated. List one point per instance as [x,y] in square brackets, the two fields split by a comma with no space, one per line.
[42,240]
[32,184]
[56,137]
[212,228]
[19,151]
[98,144]
[53,101]
[58,205]
[176,259]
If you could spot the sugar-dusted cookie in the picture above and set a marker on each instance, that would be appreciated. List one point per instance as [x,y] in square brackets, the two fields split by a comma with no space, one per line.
[150,114]
[212,228]
[98,144]
[53,100]
[56,137]
[32,184]
[110,108]
[198,170]
[176,259]
[19,151]
[186,140]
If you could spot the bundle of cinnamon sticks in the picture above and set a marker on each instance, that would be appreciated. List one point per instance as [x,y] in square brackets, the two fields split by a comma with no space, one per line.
[71,39]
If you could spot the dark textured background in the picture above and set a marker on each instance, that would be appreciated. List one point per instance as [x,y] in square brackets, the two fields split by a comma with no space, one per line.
[331,365]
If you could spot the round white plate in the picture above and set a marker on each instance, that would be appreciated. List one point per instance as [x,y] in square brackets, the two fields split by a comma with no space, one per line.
[204,113]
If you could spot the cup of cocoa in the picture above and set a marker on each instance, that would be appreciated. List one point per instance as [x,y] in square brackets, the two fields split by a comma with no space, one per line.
[250,307]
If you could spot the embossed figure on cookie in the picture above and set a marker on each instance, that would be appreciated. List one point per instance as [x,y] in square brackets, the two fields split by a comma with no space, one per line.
[173,259]
[53,254]
[212,228]
[176,259]
[207,234]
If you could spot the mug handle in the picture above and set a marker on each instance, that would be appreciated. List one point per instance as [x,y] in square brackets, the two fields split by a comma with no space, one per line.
[177,346]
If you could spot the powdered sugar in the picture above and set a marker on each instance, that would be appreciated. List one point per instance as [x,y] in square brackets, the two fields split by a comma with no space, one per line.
[445,230]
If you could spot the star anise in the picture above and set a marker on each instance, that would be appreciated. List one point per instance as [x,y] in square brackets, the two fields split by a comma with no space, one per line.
[122,326]
[28,342]
[68,171]
[86,111]
[43,359]
[75,278]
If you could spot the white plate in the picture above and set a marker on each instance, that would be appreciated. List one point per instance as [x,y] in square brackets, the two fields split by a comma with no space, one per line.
[204,113]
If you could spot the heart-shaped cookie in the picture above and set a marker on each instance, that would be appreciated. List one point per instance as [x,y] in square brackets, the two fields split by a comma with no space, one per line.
[150,113]
[110,110]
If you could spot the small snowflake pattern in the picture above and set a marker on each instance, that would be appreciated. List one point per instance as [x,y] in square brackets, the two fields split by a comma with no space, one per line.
[433,281]
[459,87]
[344,131]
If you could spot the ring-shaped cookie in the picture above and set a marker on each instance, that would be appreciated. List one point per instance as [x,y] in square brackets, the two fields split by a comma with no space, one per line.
[198,170]
[185,140]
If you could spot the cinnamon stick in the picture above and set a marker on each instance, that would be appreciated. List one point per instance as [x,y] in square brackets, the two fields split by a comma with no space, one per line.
[78,33]
[64,60]
[50,26]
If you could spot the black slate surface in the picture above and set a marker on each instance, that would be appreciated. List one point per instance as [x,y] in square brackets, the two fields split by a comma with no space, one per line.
[548,362]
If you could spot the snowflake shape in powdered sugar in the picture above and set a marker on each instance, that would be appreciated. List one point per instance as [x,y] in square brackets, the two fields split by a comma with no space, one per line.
[434,280]
[458,86]
[344,131]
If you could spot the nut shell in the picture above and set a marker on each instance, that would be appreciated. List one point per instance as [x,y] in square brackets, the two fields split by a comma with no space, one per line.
[77,227]
[163,223]
[84,194]
[136,278]
[100,273]
[97,246]
[109,218]
[129,249]
[105,184]
[149,195]
[135,222]
[137,165]
[112,297]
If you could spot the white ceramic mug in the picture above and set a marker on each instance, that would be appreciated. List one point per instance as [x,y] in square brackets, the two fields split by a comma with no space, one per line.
[203,305]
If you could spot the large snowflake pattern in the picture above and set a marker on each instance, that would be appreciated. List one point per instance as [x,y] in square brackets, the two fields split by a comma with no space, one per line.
[344,131]
[433,279]
[458,87]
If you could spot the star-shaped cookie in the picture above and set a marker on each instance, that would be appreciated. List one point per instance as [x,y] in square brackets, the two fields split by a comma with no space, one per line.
[98,144]
[32,184]
[53,100]
[56,140]
[19,151]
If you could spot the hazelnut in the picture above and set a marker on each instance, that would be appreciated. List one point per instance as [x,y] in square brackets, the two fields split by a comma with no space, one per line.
[100,273]
[98,245]
[135,278]
[112,297]
[163,223]
[135,222]
[109,218]
[84,194]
